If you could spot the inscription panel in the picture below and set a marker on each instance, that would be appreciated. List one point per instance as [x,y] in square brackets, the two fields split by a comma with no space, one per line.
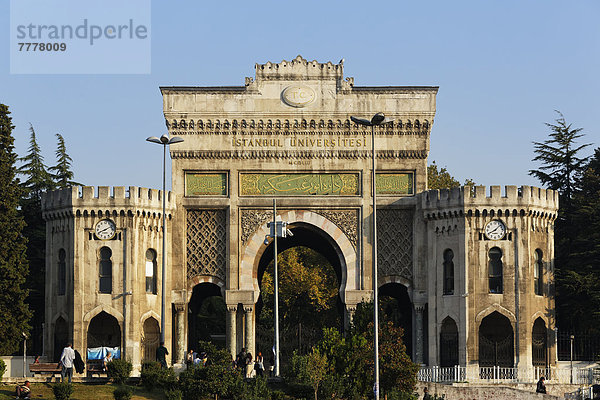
[299,184]
[395,183]
[203,184]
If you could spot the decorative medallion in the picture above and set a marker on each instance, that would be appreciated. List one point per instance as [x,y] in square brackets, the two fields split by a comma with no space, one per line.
[298,96]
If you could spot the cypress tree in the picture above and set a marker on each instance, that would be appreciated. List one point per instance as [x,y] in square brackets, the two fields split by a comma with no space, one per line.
[14,313]
[37,181]
[61,172]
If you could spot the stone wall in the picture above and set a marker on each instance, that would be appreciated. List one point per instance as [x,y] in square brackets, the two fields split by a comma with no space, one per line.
[521,391]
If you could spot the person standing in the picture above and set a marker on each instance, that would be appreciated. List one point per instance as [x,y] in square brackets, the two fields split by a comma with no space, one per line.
[249,365]
[259,365]
[161,355]
[541,386]
[66,359]
[106,360]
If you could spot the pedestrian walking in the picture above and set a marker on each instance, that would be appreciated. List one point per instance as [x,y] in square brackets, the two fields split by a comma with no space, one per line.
[161,355]
[541,386]
[259,365]
[66,359]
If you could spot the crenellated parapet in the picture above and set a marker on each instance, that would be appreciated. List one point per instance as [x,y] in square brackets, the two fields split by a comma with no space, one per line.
[524,200]
[299,68]
[104,200]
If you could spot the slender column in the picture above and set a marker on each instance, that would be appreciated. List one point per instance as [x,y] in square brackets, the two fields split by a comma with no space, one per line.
[249,328]
[350,310]
[230,329]
[179,357]
[419,309]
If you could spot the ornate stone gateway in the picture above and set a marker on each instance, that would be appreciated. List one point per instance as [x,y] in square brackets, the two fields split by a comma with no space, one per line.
[463,265]
[287,134]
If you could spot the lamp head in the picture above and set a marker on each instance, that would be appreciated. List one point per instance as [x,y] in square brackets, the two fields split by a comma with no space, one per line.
[153,139]
[164,139]
[377,118]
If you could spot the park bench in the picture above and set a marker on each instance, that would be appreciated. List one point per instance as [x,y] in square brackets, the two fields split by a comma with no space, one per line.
[45,368]
[95,367]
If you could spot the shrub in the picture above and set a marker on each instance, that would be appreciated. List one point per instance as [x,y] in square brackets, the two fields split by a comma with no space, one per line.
[2,368]
[216,378]
[122,393]
[257,389]
[174,394]
[153,375]
[62,390]
[119,370]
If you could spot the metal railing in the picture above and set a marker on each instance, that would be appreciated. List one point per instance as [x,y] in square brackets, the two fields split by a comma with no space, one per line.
[580,376]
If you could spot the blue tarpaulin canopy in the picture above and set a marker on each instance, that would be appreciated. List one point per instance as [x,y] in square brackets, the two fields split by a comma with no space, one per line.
[98,353]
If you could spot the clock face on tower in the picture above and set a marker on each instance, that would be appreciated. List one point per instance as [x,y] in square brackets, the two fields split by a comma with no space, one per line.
[495,230]
[105,229]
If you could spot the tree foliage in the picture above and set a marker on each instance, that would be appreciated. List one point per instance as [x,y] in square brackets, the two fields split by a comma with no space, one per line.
[440,178]
[14,313]
[308,294]
[577,241]
[61,172]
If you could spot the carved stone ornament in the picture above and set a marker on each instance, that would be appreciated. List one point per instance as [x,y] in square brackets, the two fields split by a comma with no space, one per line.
[206,245]
[395,243]
[346,220]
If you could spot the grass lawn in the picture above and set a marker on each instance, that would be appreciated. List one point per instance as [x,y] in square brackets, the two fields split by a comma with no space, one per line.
[83,391]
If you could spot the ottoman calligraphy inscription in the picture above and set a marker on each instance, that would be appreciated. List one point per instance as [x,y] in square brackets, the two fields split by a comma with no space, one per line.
[397,183]
[298,184]
[197,184]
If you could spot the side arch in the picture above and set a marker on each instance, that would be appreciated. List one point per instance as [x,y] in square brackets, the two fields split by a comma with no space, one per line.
[196,280]
[103,307]
[252,252]
[496,307]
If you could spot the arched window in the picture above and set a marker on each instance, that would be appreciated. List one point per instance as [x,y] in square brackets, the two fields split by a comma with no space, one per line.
[62,272]
[150,271]
[538,273]
[495,270]
[105,270]
[448,272]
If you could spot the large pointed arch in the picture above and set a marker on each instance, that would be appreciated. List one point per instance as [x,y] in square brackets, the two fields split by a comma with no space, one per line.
[253,251]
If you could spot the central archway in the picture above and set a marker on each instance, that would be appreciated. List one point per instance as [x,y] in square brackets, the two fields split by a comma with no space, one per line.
[316,254]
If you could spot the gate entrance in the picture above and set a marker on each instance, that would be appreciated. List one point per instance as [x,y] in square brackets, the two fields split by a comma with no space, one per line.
[309,275]
[496,341]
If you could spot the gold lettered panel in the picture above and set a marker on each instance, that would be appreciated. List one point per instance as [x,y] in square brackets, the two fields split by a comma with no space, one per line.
[300,184]
[395,183]
[205,184]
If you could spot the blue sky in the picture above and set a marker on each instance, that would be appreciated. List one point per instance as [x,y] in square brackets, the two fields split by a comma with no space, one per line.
[503,67]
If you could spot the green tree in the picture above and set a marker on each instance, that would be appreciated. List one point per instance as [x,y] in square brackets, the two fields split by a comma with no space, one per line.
[440,178]
[578,279]
[61,172]
[559,158]
[37,181]
[308,292]
[14,313]
[37,177]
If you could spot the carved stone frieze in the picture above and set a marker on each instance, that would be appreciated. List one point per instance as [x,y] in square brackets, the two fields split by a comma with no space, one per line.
[251,220]
[395,243]
[206,245]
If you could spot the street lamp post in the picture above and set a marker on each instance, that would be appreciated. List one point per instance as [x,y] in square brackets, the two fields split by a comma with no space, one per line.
[572,337]
[277,229]
[164,140]
[376,120]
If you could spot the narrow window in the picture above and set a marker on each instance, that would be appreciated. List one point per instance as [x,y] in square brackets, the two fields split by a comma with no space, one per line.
[538,273]
[150,271]
[105,270]
[62,272]
[448,272]
[495,270]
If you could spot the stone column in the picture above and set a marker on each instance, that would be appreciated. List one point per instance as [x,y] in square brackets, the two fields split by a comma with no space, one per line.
[349,317]
[248,309]
[230,329]
[179,353]
[419,351]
